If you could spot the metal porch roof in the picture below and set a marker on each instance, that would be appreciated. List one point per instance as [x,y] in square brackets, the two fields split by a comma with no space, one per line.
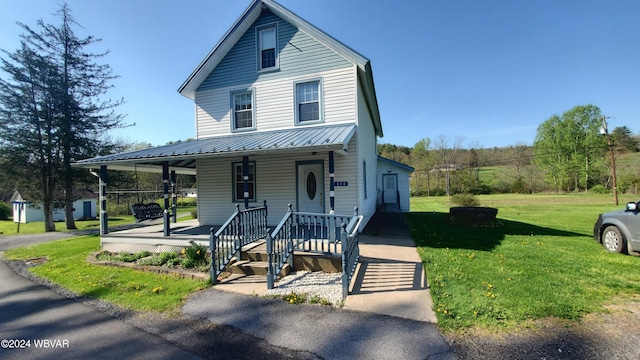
[182,156]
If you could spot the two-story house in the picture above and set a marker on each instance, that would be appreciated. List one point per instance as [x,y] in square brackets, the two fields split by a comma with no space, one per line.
[283,113]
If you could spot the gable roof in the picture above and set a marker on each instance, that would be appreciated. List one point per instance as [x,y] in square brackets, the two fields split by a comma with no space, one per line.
[22,195]
[244,22]
[395,163]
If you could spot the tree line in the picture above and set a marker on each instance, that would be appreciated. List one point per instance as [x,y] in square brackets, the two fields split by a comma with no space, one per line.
[569,153]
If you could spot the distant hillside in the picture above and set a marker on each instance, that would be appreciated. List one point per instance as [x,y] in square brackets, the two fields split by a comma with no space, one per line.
[494,170]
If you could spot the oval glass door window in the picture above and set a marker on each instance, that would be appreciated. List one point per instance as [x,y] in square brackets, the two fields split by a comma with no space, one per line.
[311,185]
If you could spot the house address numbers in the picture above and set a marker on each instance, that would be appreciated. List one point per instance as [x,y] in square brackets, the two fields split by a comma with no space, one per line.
[340,183]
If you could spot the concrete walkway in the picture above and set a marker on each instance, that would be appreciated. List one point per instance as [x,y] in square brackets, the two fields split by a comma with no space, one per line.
[387,315]
[391,279]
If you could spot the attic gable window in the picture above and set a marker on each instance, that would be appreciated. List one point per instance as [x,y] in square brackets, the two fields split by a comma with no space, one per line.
[267,40]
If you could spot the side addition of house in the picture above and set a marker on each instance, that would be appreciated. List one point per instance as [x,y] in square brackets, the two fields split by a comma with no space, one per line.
[284,113]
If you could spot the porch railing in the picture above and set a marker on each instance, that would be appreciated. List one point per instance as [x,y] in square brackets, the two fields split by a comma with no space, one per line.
[242,228]
[319,233]
[350,252]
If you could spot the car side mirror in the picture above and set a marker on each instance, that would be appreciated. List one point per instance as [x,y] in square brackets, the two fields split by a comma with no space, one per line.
[631,206]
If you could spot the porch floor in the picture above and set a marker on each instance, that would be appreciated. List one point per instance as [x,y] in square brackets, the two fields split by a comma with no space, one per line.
[151,237]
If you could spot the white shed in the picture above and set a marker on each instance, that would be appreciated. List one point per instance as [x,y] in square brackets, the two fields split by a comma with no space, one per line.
[393,185]
[26,211]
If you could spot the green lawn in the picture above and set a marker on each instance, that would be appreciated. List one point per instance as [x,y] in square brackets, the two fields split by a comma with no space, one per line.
[8,227]
[138,290]
[538,260]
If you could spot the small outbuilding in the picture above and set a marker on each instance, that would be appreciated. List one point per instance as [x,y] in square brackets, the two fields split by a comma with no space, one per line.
[393,185]
[26,210]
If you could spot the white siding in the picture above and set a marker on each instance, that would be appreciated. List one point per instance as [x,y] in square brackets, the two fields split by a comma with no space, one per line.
[403,182]
[367,152]
[275,182]
[274,103]
[35,212]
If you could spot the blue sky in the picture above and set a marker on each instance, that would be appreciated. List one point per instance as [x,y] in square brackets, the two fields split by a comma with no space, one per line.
[487,71]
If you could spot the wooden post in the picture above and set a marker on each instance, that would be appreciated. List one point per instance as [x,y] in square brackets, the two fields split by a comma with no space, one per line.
[174,196]
[332,194]
[239,232]
[271,265]
[104,224]
[213,272]
[265,223]
[345,261]
[245,178]
[165,192]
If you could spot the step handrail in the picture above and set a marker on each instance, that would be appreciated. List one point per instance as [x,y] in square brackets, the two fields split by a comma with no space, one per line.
[350,252]
[242,228]
[300,230]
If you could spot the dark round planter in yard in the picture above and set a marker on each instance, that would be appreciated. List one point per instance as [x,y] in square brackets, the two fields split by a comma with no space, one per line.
[472,214]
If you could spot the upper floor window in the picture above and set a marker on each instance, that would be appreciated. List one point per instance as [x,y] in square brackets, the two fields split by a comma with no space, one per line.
[308,101]
[267,55]
[243,110]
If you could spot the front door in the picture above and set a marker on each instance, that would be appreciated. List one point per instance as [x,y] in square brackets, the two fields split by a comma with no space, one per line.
[310,187]
[390,184]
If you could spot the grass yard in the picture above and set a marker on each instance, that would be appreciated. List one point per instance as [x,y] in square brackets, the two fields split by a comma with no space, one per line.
[538,260]
[8,227]
[142,291]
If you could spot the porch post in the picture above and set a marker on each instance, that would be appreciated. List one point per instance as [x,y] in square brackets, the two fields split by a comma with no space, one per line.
[104,225]
[165,181]
[245,177]
[174,196]
[332,200]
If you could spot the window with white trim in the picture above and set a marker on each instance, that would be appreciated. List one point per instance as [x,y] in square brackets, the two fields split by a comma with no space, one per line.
[238,181]
[242,110]
[364,177]
[308,101]
[267,55]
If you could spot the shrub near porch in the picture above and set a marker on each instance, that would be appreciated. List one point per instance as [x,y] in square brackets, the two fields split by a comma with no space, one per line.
[538,260]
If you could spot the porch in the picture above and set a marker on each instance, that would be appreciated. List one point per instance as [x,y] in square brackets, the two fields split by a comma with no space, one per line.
[151,238]
[244,245]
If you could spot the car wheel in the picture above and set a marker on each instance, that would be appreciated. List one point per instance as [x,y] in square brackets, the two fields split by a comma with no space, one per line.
[613,240]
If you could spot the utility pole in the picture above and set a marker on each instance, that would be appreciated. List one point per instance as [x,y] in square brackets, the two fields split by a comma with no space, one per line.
[604,130]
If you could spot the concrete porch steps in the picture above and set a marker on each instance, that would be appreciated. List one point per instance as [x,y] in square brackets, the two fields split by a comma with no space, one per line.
[247,267]
[254,261]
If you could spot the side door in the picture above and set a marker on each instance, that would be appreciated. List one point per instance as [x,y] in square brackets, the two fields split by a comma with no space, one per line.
[390,188]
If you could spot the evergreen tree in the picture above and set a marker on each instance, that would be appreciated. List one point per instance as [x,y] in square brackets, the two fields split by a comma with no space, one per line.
[66,115]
